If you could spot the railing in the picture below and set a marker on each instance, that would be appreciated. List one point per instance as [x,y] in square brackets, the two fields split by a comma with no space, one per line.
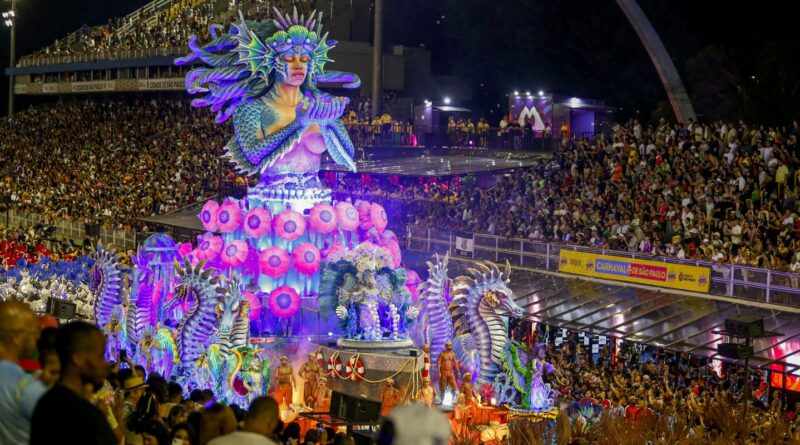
[72,230]
[509,139]
[730,280]
[130,54]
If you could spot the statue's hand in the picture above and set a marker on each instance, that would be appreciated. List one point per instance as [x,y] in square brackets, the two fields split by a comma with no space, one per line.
[321,111]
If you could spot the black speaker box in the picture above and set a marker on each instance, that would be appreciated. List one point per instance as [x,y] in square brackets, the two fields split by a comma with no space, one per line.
[745,326]
[734,350]
[60,308]
[354,409]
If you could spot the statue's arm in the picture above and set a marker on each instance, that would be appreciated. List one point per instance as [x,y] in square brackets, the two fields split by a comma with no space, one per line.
[253,145]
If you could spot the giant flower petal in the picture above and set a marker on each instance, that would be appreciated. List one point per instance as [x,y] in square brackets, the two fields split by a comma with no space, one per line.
[274,261]
[364,219]
[284,302]
[289,225]
[378,216]
[346,216]
[306,258]
[322,218]
[208,216]
[229,217]
[210,248]
[258,222]
[235,253]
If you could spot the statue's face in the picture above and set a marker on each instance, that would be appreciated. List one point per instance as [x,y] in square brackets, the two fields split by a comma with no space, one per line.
[293,68]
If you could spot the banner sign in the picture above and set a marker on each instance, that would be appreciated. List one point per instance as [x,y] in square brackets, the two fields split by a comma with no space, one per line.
[464,246]
[50,88]
[162,84]
[630,270]
[90,87]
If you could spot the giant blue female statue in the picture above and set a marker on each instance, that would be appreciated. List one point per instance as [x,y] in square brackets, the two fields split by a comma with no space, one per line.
[265,75]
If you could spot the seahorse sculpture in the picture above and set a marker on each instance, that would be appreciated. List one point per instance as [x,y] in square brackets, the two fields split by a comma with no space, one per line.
[105,282]
[436,327]
[141,308]
[234,316]
[478,303]
[196,328]
[242,377]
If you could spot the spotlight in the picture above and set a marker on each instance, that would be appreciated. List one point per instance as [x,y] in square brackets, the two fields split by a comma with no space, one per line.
[541,93]
[527,93]
[516,93]
[330,334]
[447,101]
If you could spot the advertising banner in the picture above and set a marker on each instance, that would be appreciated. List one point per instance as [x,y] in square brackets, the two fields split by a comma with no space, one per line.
[654,273]
[464,245]
[90,87]
[162,84]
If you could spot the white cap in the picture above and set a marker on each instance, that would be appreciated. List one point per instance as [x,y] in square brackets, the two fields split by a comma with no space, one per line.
[419,425]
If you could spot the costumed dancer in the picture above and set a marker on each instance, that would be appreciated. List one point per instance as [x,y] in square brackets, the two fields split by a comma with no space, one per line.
[462,416]
[323,396]
[310,373]
[113,330]
[146,347]
[466,388]
[448,367]
[426,394]
[426,358]
[390,396]
[284,376]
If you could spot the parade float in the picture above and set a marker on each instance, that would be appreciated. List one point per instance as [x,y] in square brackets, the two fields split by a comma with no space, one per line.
[285,272]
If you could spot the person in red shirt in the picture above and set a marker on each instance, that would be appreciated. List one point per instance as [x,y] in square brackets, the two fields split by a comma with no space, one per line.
[632,410]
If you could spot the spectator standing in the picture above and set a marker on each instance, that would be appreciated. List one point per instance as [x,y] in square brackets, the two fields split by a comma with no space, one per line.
[259,425]
[19,392]
[64,414]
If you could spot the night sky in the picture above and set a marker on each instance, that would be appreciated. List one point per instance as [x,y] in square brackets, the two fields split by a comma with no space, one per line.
[576,47]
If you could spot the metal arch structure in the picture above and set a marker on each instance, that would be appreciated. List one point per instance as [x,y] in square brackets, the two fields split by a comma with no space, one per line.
[678,98]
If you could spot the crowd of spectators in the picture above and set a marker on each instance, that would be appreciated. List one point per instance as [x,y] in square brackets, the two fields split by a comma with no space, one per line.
[109,162]
[722,192]
[31,243]
[650,395]
[166,28]
[661,396]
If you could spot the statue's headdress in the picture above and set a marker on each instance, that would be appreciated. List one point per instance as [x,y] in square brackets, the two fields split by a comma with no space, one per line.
[242,65]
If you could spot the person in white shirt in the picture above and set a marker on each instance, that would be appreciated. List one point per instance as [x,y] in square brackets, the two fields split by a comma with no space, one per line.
[259,425]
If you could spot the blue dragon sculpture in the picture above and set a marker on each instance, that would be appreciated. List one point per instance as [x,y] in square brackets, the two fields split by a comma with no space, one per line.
[197,284]
[478,303]
[141,310]
[105,282]
[435,327]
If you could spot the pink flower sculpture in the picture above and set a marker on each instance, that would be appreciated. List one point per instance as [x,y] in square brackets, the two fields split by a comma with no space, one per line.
[184,249]
[334,253]
[289,225]
[394,250]
[364,219]
[208,216]
[306,258]
[378,216]
[255,304]
[412,283]
[210,248]
[284,302]
[274,261]
[322,218]
[234,253]
[387,236]
[346,216]
[229,217]
[258,222]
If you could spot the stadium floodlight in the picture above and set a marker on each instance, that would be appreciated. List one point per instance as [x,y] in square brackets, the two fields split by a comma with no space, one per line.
[527,93]
[447,101]
[541,93]
[516,93]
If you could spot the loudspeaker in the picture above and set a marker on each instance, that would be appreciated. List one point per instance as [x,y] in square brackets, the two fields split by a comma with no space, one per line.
[734,350]
[354,409]
[745,326]
[60,308]
[413,352]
